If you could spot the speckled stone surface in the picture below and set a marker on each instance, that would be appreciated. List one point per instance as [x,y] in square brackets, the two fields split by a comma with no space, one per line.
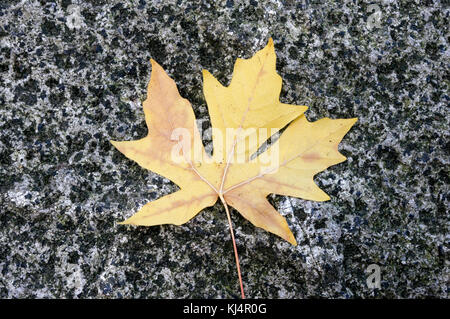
[73,74]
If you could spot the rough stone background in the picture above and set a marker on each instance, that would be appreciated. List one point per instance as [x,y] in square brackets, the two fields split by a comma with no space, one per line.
[73,74]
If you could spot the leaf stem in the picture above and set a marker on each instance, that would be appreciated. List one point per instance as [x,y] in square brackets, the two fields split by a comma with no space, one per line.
[236,256]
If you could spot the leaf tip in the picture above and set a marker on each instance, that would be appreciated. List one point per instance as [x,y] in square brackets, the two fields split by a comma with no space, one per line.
[113,142]
[154,64]
[205,73]
[292,241]
[323,197]
[125,222]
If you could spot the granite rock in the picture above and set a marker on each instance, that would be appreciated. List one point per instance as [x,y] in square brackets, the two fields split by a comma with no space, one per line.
[73,75]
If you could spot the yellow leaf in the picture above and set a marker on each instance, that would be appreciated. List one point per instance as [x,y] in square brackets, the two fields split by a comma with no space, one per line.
[250,103]
[241,172]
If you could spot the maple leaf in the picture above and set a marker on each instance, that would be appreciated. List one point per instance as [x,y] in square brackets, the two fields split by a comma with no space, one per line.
[248,107]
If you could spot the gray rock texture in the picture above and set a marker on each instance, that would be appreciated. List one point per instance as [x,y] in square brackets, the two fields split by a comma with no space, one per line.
[73,74]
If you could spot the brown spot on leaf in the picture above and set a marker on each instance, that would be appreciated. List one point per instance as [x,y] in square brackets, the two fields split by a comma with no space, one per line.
[311,157]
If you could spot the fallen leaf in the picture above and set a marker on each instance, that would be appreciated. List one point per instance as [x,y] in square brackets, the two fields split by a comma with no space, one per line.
[249,108]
